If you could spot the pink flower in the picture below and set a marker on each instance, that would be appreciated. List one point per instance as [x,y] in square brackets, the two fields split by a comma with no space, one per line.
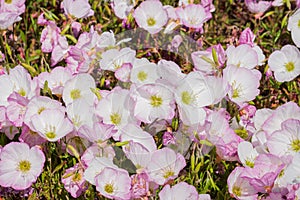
[193,15]
[239,187]
[258,7]
[30,137]
[165,165]
[139,185]
[247,37]
[151,16]
[113,183]
[180,191]
[73,181]
[49,37]
[77,8]
[20,165]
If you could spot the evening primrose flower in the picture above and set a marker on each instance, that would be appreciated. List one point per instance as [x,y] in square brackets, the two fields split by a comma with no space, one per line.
[143,71]
[180,191]
[192,15]
[293,26]
[240,187]
[165,165]
[151,16]
[114,183]
[285,142]
[77,8]
[247,153]
[242,56]
[285,63]
[153,101]
[20,165]
[52,124]
[244,83]
[79,87]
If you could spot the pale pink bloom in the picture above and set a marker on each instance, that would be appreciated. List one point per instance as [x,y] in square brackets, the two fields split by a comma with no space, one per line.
[153,101]
[52,124]
[113,59]
[244,83]
[171,11]
[168,138]
[73,181]
[95,167]
[19,81]
[151,16]
[204,61]
[191,99]
[258,7]
[266,169]
[16,109]
[165,165]
[247,154]
[115,108]
[123,73]
[7,19]
[294,28]
[80,113]
[122,8]
[169,72]
[39,104]
[242,56]
[78,60]
[289,110]
[139,185]
[292,172]
[208,5]
[135,133]
[247,37]
[239,187]
[143,71]
[76,27]
[59,51]
[180,191]
[138,154]
[98,132]
[56,79]
[30,137]
[42,20]
[20,165]
[285,63]
[97,151]
[77,8]
[285,142]
[13,6]
[193,15]
[176,42]
[227,146]
[114,183]
[49,37]
[79,87]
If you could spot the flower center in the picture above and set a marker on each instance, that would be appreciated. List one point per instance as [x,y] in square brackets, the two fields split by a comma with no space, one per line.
[295,145]
[290,66]
[22,92]
[109,188]
[8,1]
[186,97]
[50,135]
[299,23]
[142,75]
[40,110]
[168,174]
[151,21]
[237,191]
[249,163]
[75,94]
[115,118]
[77,177]
[155,101]
[24,166]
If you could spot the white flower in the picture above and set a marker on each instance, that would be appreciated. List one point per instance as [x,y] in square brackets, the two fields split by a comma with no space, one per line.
[285,63]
